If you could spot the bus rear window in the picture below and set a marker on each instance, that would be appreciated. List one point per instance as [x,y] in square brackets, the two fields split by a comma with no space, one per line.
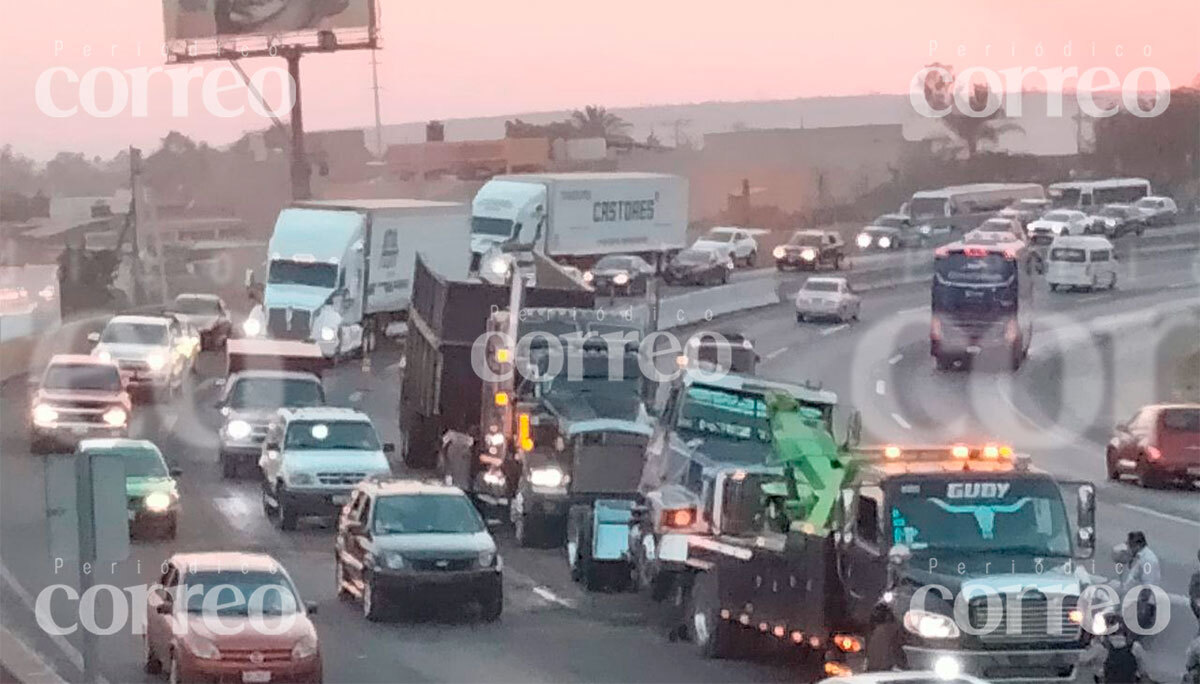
[975,270]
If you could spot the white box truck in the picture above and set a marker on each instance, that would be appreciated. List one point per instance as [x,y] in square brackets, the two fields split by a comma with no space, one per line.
[338,271]
[576,218]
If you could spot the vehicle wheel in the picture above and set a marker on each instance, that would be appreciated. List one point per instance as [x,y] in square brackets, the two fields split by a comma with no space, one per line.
[779,267]
[39,446]
[752,258]
[172,527]
[151,664]
[1112,281]
[529,531]
[837,263]
[799,318]
[1016,356]
[286,514]
[268,509]
[843,315]
[1110,462]
[372,604]
[491,607]
[943,363]
[339,579]
[1054,287]
[1140,230]
[713,636]
[725,277]
[857,310]
[883,648]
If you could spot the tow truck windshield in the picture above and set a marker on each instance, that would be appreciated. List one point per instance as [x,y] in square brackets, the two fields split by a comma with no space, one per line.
[75,376]
[303,435]
[713,412]
[426,514]
[252,393]
[974,515]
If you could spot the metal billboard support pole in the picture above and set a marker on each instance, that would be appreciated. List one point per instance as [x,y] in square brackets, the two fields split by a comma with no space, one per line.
[301,190]
[84,507]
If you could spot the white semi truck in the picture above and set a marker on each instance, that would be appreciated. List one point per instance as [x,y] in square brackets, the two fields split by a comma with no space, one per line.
[576,218]
[339,271]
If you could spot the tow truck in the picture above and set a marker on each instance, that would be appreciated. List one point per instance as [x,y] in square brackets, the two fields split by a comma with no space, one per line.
[954,558]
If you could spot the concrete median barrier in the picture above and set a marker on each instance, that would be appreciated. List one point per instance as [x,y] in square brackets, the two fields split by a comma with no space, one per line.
[706,304]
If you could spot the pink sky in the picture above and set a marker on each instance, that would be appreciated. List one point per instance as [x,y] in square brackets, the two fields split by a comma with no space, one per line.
[459,58]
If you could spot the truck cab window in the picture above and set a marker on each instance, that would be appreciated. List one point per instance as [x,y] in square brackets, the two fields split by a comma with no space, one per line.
[866,525]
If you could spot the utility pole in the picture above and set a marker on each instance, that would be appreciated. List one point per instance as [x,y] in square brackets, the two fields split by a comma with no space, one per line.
[378,118]
[301,190]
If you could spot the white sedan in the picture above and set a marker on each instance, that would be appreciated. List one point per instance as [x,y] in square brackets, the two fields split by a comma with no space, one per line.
[1059,222]
[827,298]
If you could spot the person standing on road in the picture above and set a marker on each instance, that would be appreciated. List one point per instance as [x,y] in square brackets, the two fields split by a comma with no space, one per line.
[1144,569]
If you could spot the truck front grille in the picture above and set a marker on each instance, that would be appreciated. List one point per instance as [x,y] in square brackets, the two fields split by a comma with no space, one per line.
[340,479]
[279,326]
[1032,617]
[442,564]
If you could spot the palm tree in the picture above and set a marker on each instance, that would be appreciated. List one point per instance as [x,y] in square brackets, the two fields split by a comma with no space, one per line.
[596,121]
[971,130]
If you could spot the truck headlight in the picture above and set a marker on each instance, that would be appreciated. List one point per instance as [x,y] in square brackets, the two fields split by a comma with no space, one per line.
[157,502]
[305,648]
[328,334]
[929,625]
[808,254]
[863,240]
[156,361]
[44,415]
[392,560]
[486,558]
[251,327]
[779,252]
[621,279]
[588,276]
[115,416]
[885,242]
[301,479]
[947,667]
[546,477]
[238,429]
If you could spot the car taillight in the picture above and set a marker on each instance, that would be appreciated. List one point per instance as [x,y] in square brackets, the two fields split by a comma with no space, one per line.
[1010,330]
[678,517]
[935,328]
[1153,453]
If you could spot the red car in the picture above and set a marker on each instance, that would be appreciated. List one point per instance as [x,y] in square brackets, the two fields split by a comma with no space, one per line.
[1160,443]
[220,632]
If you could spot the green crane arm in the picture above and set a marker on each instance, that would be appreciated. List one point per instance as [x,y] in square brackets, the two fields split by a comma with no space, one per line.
[815,468]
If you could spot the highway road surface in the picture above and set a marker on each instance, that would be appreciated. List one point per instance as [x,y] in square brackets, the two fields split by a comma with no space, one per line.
[1095,357]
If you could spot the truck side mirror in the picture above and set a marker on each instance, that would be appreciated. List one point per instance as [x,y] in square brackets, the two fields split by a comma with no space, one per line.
[854,429]
[1085,535]
[389,448]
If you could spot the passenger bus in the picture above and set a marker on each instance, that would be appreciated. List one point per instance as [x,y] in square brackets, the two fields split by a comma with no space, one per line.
[965,206]
[982,302]
[1085,194]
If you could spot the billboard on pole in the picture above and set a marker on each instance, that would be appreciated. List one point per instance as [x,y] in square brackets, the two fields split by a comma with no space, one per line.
[190,20]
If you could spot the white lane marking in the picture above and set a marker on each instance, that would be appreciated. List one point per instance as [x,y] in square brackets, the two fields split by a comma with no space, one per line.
[355,397]
[915,309]
[1090,298]
[550,596]
[901,422]
[830,331]
[775,353]
[1180,286]
[895,359]
[27,663]
[880,387]
[1160,514]
[26,598]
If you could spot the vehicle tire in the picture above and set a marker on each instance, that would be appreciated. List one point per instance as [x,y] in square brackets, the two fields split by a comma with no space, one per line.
[339,578]
[1112,281]
[529,530]
[286,514]
[1146,477]
[268,509]
[779,267]
[843,315]
[151,664]
[799,318]
[857,310]
[1054,287]
[1140,230]
[372,602]
[38,445]
[492,606]
[712,636]
[1016,356]
[1110,463]
[883,648]
[752,258]
[171,528]
[229,468]
[725,276]
[837,262]
[943,363]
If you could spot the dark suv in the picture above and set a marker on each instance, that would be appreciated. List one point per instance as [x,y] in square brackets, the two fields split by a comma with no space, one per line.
[404,542]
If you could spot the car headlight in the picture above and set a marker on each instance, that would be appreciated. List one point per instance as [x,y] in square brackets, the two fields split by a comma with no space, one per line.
[156,361]
[925,230]
[588,276]
[301,479]
[863,240]
[1057,229]
[621,278]
[328,334]
[747,345]
[115,416]
[44,415]
[487,558]
[104,356]
[929,625]
[203,648]
[546,477]
[251,327]
[885,242]
[305,648]
[238,429]
[157,502]
[808,254]
[947,667]
[779,252]
[392,560]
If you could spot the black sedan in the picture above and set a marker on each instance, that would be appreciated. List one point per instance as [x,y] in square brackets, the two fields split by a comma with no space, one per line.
[620,273]
[698,267]
[810,249]
[1115,220]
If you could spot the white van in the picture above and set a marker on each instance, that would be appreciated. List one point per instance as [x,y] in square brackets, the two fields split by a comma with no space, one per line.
[1081,261]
